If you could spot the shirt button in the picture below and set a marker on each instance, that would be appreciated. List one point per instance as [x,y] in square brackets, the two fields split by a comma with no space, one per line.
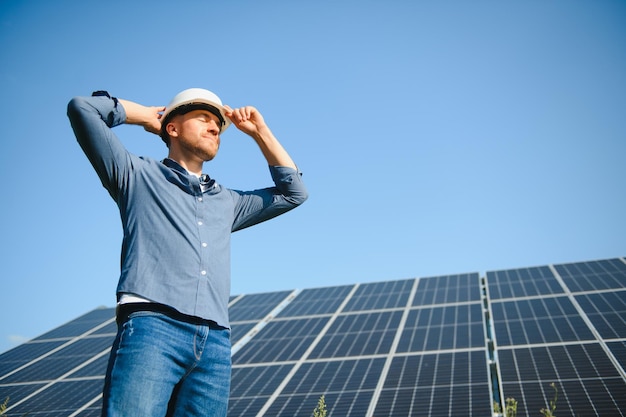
[199,198]
[199,223]
[203,272]
[204,245]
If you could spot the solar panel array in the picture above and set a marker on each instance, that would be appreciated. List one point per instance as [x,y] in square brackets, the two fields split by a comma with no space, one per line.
[435,346]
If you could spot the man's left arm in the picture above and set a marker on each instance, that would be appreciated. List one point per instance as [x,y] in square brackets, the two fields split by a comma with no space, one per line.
[289,191]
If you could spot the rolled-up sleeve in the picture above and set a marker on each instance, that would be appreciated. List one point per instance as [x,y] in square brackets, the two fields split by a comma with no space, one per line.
[289,182]
[92,119]
[257,206]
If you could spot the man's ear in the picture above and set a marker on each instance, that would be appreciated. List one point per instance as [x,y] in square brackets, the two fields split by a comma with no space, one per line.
[171,129]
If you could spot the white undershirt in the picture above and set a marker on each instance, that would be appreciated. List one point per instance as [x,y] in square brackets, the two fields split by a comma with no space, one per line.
[132,298]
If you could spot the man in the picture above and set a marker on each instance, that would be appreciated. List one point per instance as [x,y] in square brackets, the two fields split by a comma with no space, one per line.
[171,355]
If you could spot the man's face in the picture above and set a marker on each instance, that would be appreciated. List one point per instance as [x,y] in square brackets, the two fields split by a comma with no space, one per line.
[197,133]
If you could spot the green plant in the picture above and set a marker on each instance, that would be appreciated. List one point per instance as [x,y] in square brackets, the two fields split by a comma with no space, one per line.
[510,408]
[3,406]
[549,412]
[320,409]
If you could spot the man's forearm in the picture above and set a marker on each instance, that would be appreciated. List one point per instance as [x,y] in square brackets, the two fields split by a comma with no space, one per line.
[272,150]
[147,117]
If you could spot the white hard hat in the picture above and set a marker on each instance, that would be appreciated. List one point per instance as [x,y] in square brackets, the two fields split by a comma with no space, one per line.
[196,98]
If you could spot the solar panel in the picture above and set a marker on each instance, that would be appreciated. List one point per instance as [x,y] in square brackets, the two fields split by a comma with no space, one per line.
[587,381]
[436,346]
[380,295]
[594,275]
[437,384]
[281,341]
[523,282]
[359,335]
[538,320]
[440,328]
[62,361]
[255,306]
[317,301]
[448,289]
[348,385]
[252,386]
[607,312]
[567,340]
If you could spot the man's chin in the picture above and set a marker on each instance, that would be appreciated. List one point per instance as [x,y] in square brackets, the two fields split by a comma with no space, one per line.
[208,158]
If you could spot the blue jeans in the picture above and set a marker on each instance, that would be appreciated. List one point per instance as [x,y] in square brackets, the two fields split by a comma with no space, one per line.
[163,366]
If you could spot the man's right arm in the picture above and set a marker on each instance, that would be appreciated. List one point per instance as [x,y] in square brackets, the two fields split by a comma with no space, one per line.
[92,119]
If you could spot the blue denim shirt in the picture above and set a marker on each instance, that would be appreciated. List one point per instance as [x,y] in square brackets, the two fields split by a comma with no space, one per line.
[176,244]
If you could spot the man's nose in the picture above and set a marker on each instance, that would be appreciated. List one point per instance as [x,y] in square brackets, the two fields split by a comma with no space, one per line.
[213,128]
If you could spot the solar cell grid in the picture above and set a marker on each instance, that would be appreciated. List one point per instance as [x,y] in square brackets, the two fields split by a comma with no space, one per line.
[428,384]
[17,392]
[587,381]
[348,404]
[245,406]
[316,301]
[380,295]
[90,412]
[607,312]
[363,334]
[335,376]
[447,289]
[450,327]
[60,362]
[523,282]
[21,355]
[347,385]
[96,368]
[109,329]
[281,340]
[256,306]
[239,330]
[251,387]
[61,399]
[618,349]
[80,325]
[249,381]
[594,275]
[539,320]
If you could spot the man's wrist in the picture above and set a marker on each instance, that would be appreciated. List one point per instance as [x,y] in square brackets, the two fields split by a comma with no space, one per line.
[263,134]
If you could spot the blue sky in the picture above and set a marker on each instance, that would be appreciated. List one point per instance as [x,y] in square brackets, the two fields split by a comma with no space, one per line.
[435,137]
